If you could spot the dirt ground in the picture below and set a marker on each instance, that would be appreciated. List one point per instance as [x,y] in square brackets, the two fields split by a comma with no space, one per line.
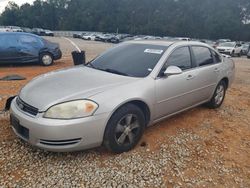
[216,155]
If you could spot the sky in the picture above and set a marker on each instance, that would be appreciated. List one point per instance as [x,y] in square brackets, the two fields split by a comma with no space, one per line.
[3,3]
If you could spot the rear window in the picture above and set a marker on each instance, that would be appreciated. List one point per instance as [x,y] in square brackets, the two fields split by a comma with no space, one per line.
[7,41]
[136,60]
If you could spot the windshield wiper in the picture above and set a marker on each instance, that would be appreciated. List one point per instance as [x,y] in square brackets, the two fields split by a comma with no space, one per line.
[107,70]
[115,72]
[91,65]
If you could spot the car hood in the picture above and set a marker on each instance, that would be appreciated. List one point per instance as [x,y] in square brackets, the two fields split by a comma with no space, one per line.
[69,84]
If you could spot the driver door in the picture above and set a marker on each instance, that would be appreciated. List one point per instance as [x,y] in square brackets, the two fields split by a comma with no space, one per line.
[29,47]
[177,92]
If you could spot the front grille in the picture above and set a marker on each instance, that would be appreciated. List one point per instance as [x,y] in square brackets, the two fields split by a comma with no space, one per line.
[60,142]
[23,131]
[26,107]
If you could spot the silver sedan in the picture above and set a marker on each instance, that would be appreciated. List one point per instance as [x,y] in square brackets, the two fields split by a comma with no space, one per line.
[112,99]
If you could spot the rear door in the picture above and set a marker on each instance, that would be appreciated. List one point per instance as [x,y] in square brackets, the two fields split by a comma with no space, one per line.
[9,49]
[207,71]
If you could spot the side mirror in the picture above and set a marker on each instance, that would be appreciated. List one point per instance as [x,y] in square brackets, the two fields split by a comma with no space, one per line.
[172,70]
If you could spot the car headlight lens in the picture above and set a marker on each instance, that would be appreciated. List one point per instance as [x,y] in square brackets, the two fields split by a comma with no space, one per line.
[72,110]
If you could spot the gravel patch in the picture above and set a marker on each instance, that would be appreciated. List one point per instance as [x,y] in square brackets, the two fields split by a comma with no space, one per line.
[24,166]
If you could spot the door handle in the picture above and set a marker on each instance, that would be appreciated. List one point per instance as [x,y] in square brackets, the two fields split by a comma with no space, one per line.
[190,77]
[216,70]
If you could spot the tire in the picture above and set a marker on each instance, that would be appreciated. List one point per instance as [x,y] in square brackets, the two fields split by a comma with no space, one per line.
[239,54]
[46,59]
[124,129]
[218,96]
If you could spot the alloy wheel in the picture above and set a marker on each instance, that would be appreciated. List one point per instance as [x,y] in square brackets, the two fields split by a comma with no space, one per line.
[219,94]
[47,59]
[127,130]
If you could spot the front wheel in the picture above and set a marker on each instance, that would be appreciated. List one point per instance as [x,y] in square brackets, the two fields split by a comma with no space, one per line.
[124,129]
[46,59]
[239,54]
[219,96]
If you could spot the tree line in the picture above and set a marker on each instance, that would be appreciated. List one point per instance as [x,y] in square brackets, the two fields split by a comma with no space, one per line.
[210,19]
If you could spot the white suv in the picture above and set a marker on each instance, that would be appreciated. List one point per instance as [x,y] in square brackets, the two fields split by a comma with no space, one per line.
[230,48]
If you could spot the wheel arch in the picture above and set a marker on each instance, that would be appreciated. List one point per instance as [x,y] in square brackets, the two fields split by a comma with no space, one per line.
[144,107]
[226,80]
[43,51]
[139,103]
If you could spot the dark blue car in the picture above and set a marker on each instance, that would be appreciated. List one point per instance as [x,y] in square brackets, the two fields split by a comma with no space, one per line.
[27,48]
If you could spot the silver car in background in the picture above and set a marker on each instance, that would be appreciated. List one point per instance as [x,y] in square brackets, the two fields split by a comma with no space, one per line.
[117,95]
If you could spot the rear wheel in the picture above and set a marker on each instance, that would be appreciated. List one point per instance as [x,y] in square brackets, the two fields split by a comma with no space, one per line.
[218,96]
[46,59]
[124,129]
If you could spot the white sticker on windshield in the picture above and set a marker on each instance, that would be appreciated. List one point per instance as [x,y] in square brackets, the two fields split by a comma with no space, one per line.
[153,51]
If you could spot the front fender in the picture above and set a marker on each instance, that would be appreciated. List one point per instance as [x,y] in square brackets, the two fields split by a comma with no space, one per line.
[141,90]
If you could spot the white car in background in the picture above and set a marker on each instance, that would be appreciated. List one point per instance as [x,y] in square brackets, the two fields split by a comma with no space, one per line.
[49,33]
[230,48]
[14,28]
[4,30]
[89,36]
[183,38]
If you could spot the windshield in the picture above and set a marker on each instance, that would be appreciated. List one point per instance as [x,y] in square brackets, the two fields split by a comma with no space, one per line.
[227,44]
[136,60]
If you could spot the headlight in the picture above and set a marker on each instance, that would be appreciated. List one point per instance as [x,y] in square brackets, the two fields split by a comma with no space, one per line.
[72,110]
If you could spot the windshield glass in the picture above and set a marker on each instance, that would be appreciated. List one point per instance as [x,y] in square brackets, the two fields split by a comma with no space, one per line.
[227,44]
[136,60]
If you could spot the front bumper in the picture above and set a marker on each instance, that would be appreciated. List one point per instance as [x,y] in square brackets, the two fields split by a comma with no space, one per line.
[58,54]
[58,135]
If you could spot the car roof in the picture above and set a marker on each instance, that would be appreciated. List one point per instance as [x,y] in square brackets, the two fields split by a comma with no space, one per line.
[167,42]
[19,33]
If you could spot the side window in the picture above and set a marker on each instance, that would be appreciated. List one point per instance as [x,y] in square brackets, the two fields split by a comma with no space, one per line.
[217,57]
[29,40]
[202,56]
[8,41]
[180,58]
